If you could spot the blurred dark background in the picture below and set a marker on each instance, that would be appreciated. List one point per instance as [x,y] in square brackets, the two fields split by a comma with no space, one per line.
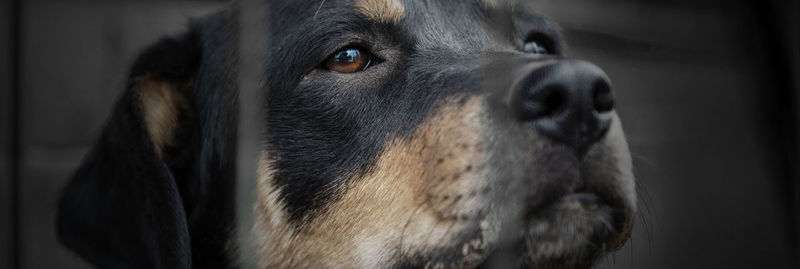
[708,93]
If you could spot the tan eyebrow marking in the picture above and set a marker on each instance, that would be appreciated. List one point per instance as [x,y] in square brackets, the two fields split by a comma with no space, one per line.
[387,11]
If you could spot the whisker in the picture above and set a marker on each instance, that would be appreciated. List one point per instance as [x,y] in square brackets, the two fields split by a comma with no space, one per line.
[320,7]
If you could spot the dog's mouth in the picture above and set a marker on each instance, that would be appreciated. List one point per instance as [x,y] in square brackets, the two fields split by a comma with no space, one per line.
[570,228]
[571,232]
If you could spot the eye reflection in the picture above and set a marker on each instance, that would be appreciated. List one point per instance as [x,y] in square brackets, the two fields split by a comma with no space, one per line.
[349,60]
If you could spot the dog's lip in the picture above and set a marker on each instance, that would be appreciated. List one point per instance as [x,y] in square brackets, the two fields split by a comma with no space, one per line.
[586,199]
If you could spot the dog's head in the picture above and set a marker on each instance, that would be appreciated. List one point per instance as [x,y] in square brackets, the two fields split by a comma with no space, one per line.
[440,134]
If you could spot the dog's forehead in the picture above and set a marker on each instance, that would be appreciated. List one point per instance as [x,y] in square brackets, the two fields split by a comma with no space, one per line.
[453,25]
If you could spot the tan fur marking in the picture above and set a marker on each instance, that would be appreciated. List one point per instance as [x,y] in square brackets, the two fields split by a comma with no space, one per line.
[387,11]
[386,210]
[161,103]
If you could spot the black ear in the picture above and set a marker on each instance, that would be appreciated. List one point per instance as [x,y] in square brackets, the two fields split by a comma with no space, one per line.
[125,207]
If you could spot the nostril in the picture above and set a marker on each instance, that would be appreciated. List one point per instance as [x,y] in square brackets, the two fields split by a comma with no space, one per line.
[544,102]
[553,101]
[603,98]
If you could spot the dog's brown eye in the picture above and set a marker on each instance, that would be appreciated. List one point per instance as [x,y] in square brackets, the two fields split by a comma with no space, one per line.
[349,60]
[535,47]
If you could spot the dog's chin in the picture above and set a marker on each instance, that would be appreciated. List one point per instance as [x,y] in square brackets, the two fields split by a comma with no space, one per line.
[573,232]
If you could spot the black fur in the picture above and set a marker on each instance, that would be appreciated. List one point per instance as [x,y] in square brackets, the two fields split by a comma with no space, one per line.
[117,220]
[128,208]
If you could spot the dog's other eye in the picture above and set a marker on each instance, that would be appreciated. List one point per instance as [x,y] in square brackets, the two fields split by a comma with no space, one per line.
[349,60]
[538,43]
[535,47]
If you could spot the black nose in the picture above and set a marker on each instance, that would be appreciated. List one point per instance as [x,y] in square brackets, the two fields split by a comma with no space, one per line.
[568,101]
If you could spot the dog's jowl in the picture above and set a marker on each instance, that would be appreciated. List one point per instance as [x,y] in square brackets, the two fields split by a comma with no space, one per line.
[398,133]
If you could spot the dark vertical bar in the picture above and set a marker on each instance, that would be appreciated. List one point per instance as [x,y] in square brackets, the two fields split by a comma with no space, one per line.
[780,20]
[15,147]
[791,40]
[792,36]
[251,101]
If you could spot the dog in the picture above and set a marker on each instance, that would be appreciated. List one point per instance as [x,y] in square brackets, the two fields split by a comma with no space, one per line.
[398,134]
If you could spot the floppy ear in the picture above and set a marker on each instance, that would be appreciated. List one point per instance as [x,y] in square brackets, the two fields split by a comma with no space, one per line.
[124,207]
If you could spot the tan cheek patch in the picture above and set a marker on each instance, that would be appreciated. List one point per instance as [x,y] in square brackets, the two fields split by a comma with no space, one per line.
[161,103]
[386,11]
[414,200]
